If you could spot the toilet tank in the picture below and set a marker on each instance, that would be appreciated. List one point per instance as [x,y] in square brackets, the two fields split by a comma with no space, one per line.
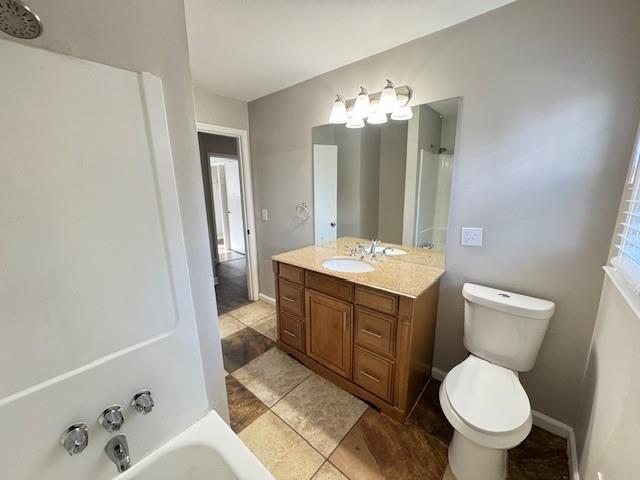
[504,328]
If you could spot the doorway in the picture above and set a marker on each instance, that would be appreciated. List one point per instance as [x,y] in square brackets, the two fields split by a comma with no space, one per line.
[228,199]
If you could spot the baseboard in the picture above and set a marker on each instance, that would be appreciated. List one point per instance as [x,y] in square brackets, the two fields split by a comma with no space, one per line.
[547,423]
[266,298]
[438,374]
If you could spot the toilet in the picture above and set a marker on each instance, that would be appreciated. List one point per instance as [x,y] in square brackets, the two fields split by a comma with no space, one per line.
[482,397]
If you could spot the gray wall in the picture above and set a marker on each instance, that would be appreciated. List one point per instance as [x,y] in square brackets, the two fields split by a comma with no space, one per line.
[349,150]
[547,119]
[150,36]
[220,111]
[369,182]
[393,160]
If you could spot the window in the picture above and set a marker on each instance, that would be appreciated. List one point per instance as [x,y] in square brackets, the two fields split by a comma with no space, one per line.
[627,258]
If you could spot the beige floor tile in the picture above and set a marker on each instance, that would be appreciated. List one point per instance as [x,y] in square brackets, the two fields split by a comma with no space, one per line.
[321,412]
[271,376]
[268,326]
[229,325]
[280,449]
[329,472]
[251,313]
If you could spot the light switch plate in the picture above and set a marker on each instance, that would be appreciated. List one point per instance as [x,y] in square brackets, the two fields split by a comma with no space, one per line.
[471,237]
[265,215]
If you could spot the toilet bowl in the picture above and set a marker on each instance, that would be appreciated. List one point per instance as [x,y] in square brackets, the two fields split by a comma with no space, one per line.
[482,397]
[490,413]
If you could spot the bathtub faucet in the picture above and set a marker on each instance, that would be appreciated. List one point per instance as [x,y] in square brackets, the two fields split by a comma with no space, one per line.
[117,449]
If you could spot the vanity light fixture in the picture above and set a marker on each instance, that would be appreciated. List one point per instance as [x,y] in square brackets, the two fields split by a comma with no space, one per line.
[374,107]
[339,111]
[376,116]
[402,113]
[388,98]
[362,105]
[354,121]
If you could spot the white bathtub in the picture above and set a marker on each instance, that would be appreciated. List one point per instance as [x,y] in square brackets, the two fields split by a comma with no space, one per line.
[207,450]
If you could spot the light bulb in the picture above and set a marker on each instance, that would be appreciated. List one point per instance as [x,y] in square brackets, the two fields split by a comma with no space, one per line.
[362,105]
[388,99]
[376,116]
[402,113]
[339,111]
[354,121]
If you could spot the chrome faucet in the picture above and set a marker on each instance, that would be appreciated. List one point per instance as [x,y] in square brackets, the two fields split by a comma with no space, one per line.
[373,247]
[117,449]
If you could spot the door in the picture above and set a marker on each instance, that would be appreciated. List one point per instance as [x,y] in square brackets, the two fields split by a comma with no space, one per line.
[234,206]
[328,332]
[325,192]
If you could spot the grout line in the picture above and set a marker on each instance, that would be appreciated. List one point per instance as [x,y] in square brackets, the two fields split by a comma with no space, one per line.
[344,474]
[292,389]
[347,434]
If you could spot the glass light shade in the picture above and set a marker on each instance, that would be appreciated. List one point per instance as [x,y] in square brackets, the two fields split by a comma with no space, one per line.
[354,121]
[362,105]
[377,116]
[402,113]
[388,99]
[339,111]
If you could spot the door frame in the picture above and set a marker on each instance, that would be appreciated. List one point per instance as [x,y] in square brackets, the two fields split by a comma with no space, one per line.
[248,207]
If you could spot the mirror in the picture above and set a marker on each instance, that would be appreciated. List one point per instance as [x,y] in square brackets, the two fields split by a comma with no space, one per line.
[390,182]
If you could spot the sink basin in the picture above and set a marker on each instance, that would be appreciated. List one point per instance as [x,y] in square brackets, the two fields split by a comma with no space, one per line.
[391,251]
[347,265]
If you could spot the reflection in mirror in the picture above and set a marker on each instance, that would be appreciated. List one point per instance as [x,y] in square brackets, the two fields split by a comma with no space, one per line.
[390,182]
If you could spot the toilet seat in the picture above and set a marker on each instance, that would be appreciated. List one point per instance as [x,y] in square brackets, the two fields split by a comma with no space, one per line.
[486,403]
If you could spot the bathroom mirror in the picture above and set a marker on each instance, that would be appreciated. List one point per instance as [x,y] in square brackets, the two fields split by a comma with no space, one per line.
[390,182]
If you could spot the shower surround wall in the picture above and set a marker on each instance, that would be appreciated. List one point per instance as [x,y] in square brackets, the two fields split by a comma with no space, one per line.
[74,361]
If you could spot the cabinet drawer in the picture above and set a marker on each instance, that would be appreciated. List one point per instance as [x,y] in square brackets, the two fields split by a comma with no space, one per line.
[333,287]
[291,298]
[375,331]
[373,373]
[291,273]
[377,300]
[291,331]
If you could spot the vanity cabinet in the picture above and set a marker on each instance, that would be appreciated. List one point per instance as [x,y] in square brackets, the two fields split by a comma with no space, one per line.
[373,343]
[328,331]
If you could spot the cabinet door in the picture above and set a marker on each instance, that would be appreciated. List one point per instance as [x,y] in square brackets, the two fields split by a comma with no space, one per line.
[329,331]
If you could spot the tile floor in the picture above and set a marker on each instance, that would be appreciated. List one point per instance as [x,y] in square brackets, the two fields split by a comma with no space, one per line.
[302,427]
[232,290]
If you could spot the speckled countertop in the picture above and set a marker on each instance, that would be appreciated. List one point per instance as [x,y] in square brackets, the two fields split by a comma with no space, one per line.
[407,275]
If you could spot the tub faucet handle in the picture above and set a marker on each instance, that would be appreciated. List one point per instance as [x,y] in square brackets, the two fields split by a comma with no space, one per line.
[75,438]
[112,418]
[143,402]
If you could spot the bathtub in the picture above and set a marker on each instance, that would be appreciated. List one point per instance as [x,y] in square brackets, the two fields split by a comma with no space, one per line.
[208,449]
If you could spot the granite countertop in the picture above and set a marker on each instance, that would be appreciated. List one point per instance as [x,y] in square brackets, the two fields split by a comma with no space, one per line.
[393,274]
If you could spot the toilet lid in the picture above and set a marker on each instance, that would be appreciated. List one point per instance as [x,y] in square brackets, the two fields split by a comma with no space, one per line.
[487,397]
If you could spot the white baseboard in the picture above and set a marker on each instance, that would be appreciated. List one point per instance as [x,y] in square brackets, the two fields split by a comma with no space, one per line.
[266,298]
[547,423]
[438,374]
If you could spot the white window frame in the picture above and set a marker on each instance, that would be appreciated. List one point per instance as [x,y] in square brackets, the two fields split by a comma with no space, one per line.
[627,237]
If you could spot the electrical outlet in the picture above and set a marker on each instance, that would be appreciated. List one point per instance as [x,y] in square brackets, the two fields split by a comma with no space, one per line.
[471,237]
[265,215]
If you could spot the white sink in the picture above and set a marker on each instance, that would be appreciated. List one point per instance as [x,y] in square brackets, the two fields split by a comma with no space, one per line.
[391,251]
[347,265]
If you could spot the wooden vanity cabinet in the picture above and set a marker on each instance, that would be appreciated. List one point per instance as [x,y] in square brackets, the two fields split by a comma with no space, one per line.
[328,325]
[374,344]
